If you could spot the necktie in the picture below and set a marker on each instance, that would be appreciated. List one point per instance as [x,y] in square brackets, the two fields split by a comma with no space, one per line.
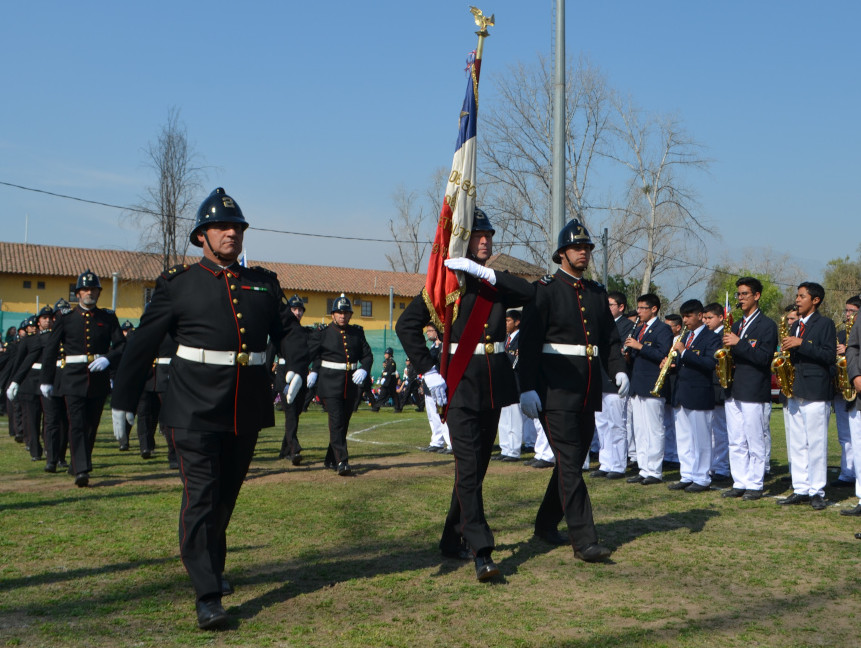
[742,327]
[642,333]
[507,342]
[800,329]
[690,340]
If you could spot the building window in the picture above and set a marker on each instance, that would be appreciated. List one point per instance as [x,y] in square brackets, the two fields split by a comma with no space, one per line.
[28,285]
[367,308]
[329,303]
[148,295]
[40,285]
[403,306]
[73,298]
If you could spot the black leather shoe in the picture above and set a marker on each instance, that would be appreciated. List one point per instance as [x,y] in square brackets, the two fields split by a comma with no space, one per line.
[853,511]
[697,488]
[552,536]
[795,498]
[593,553]
[433,448]
[63,465]
[456,552]
[82,479]
[636,479]
[211,615]
[485,568]
[344,469]
[540,463]
[648,481]
[146,454]
[841,483]
[717,478]
[50,467]
[598,473]
[226,587]
[818,503]
[296,459]
[509,459]
[614,475]
[680,485]
[734,492]
[751,495]
[447,451]
[124,447]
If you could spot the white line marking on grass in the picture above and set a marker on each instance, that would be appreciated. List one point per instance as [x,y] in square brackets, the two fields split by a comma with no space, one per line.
[352,435]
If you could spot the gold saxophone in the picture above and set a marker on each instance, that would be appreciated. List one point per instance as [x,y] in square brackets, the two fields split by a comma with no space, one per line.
[662,376]
[725,366]
[781,365]
[844,385]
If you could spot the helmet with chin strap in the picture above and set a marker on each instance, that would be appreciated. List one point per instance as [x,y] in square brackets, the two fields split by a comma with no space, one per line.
[342,305]
[574,233]
[217,208]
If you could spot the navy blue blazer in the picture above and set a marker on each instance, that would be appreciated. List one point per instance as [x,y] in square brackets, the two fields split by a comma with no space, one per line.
[695,388]
[656,341]
[814,359]
[751,381]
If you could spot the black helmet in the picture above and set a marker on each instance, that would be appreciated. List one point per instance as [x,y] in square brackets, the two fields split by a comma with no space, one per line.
[342,304]
[217,208]
[481,223]
[390,351]
[127,325]
[23,323]
[61,305]
[31,321]
[88,279]
[571,234]
[46,311]
[296,302]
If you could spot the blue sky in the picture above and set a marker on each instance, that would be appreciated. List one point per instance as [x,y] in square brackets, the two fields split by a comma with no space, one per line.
[312,114]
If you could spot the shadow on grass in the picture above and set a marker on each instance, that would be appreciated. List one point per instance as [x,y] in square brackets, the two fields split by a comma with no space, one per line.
[81,494]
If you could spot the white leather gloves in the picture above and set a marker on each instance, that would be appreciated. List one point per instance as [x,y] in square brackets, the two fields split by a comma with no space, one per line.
[119,418]
[312,379]
[436,386]
[99,364]
[293,383]
[470,267]
[623,383]
[359,376]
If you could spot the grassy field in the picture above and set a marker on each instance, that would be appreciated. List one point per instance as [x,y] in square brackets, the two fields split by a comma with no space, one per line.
[319,560]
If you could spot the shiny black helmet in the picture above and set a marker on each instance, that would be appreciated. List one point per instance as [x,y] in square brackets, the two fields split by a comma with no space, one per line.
[296,302]
[217,208]
[342,304]
[127,325]
[573,233]
[31,321]
[481,223]
[45,311]
[23,324]
[87,279]
[390,351]
[61,305]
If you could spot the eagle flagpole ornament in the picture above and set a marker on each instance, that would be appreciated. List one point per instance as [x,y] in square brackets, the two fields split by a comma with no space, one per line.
[443,287]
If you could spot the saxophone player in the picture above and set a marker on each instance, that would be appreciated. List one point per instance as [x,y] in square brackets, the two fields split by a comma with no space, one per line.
[846,478]
[713,316]
[853,367]
[752,342]
[648,345]
[812,346]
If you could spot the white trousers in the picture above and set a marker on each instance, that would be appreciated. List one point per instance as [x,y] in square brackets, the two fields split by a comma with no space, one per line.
[611,430]
[720,442]
[808,445]
[510,430]
[543,450]
[632,444]
[671,452]
[649,435]
[694,444]
[439,430]
[747,430]
[855,431]
[844,438]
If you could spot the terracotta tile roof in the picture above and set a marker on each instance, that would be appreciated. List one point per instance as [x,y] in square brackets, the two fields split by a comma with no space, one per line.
[56,261]
[516,266]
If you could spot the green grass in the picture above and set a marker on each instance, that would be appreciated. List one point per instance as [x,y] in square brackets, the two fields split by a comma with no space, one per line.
[319,560]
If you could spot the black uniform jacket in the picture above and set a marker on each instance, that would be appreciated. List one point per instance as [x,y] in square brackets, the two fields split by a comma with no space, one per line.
[207,307]
[488,381]
[624,326]
[695,387]
[83,332]
[656,342]
[752,356]
[159,375]
[32,348]
[344,345]
[814,359]
[387,379]
[568,311]
[281,368]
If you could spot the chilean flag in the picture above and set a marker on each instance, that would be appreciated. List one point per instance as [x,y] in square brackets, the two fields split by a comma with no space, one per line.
[455,221]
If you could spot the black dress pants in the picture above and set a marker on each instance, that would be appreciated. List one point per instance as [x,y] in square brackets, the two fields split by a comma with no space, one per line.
[149,409]
[290,444]
[31,409]
[84,416]
[56,429]
[340,410]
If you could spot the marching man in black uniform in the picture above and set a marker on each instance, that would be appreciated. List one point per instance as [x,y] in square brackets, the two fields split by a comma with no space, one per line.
[290,447]
[388,382]
[487,386]
[92,342]
[342,358]
[219,395]
[567,336]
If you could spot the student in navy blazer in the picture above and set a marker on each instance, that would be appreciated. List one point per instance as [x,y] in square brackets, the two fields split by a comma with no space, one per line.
[694,399]
[812,346]
[648,345]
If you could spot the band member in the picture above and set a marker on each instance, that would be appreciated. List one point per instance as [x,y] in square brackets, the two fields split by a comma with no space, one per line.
[487,385]
[568,339]
[511,417]
[853,367]
[648,345]
[846,478]
[219,393]
[812,346]
[713,317]
[671,454]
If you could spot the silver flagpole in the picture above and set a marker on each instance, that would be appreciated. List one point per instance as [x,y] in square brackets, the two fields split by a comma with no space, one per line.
[557,206]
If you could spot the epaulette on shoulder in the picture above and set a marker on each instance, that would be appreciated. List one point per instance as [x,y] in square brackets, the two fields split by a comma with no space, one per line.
[265,271]
[357,326]
[546,280]
[597,285]
[175,271]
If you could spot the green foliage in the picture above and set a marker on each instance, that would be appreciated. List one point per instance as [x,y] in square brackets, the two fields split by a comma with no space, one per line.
[630,288]
[771,303]
[842,281]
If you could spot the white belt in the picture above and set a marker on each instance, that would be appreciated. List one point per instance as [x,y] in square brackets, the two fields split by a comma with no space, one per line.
[340,366]
[75,359]
[227,358]
[483,348]
[36,365]
[282,361]
[555,348]
[162,361]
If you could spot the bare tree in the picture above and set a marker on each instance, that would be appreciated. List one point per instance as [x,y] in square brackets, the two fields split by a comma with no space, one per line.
[412,226]
[171,201]
[516,150]
[658,225]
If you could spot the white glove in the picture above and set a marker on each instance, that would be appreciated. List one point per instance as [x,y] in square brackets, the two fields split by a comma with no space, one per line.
[530,403]
[470,267]
[47,390]
[312,379]
[99,364]
[119,418]
[436,386]
[359,376]
[623,383]
[12,391]
[293,385]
